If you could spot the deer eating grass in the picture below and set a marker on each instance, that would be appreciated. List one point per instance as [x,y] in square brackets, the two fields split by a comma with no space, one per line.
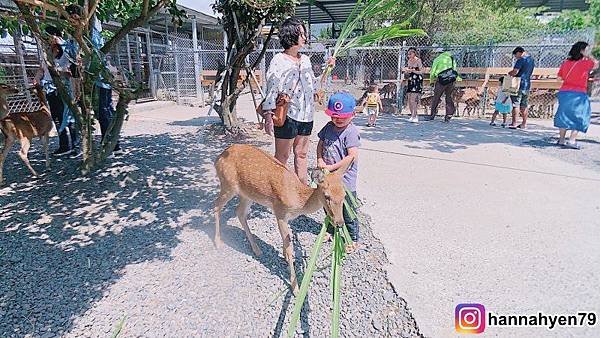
[256,176]
[23,127]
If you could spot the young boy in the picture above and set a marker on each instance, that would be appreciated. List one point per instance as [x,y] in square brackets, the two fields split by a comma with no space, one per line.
[373,104]
[338,144]
[502,105]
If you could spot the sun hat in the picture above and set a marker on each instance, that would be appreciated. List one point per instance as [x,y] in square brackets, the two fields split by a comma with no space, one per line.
[341,105]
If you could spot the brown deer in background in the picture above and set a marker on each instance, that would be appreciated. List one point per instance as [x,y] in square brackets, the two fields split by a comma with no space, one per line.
[256,176]
[23,127]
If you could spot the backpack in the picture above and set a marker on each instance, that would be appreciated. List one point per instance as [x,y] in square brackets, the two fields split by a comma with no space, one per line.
[372,99]
[449,75]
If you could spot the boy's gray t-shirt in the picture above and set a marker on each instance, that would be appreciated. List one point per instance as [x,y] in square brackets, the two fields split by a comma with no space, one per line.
[335,148]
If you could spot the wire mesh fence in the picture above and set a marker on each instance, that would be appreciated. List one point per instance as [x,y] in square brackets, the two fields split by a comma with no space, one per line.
[168,66]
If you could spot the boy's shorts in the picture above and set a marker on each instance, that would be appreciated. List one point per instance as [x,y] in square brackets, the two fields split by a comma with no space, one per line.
[521,100]
[373,111]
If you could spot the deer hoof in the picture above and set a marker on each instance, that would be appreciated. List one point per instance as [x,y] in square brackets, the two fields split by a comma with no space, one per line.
[218,243]
[295,289]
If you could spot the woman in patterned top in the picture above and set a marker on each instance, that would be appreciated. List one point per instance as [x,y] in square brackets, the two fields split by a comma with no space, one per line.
[413,74]
[291,73]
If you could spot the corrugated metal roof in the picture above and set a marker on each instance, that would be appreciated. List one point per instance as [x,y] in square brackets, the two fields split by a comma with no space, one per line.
[556,5]
[325,11]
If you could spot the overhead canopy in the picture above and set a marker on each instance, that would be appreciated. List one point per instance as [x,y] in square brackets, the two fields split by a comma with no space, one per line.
[324,11]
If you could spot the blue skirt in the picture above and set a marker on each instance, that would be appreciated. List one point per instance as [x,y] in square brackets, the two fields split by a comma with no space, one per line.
[574,111]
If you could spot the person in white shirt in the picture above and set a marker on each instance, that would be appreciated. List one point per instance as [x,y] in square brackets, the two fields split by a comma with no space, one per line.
[291,73]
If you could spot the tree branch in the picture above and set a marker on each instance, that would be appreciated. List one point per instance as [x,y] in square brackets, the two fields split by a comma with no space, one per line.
[44,5]
[265,46]
[137,22]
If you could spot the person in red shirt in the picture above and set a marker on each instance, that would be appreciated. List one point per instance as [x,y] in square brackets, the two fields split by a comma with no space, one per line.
[574,109]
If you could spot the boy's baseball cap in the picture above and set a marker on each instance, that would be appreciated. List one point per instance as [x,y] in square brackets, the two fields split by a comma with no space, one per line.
[341,105]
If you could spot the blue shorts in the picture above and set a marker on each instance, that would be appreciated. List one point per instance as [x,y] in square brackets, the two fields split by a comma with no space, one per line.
[503,108]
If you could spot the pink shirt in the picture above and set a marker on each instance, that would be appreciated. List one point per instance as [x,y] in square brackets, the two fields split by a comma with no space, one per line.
[575,74]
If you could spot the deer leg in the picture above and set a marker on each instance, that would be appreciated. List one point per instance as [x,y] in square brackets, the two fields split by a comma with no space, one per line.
[224,196]
[45,150]
[8,142]
[242,214]
[288,251]
[25,145]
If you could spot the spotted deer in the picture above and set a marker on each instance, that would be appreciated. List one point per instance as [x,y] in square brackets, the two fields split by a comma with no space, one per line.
[23,127]
[257,177]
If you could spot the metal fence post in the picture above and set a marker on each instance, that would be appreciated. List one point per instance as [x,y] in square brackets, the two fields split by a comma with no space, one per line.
[18,42]
[399,87]
[196,61]
[151,79]
[128,54]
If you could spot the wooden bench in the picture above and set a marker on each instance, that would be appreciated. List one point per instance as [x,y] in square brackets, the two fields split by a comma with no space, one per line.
[208,77]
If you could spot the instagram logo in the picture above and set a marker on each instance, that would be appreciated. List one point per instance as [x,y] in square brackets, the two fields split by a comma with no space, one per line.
[469,318]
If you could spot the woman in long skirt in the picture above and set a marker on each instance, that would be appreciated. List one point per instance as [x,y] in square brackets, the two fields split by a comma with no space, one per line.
[574,109]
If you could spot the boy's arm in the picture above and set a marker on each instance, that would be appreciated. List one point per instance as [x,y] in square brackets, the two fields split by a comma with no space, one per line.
[352,155]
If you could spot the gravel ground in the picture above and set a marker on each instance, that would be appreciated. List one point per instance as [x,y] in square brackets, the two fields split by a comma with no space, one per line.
[130,246]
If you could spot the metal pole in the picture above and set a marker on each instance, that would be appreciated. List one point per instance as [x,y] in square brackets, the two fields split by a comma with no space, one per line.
[176,56]
[128,54]
[199,94]
[18,42]
[151,80]
[399,88]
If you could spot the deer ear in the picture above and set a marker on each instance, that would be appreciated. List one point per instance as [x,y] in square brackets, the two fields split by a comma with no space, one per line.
[317,175]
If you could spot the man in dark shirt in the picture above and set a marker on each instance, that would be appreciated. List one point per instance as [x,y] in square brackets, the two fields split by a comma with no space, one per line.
[523,68]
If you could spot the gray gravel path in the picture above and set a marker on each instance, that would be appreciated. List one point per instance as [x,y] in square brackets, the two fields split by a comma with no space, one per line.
[132,243]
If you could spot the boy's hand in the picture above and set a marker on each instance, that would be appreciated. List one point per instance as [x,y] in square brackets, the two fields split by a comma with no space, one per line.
[321,164]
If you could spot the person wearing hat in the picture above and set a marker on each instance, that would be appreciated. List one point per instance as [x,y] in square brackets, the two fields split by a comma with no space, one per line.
[339,141]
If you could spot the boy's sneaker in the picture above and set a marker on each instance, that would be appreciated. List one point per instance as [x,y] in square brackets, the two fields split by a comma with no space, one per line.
[503,125]
[493,124]
[61,152]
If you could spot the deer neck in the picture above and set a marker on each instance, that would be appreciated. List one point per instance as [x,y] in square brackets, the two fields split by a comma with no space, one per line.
[309,199]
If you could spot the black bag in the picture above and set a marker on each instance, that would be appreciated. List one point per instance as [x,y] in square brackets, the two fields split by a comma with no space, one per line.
[449,75]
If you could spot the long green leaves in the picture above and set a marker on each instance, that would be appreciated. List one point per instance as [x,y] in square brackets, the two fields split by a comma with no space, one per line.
[336,278]
[308,272]
[362,10]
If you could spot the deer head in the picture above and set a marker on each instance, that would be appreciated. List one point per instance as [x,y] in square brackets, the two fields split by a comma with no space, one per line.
[331,193]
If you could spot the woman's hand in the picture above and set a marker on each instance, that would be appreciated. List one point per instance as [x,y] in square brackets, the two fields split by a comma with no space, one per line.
[321,164]
[331,62]
[269,127]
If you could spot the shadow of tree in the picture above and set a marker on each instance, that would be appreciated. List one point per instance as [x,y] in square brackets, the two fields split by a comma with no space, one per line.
[450,137]
[65,239]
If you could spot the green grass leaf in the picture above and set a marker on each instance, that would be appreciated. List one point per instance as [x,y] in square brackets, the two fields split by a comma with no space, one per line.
[308,272]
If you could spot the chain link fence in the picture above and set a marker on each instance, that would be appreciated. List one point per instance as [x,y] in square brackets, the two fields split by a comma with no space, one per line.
[169,66]
[480,67]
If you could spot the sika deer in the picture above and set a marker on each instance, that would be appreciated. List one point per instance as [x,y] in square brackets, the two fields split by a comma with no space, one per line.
[256,176]
[23,127]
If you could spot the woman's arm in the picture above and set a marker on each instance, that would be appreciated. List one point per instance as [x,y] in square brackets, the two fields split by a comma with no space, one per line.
[320,162]
[273,83]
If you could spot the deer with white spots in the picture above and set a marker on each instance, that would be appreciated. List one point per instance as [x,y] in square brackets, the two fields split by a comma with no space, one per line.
[23,127]
[257,177]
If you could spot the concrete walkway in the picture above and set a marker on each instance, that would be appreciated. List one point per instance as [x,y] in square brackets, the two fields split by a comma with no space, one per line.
[472,213]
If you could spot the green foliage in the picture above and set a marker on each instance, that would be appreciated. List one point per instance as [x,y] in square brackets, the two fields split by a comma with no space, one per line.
[485,24]
[123,11]
[250,15]
[571,20]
